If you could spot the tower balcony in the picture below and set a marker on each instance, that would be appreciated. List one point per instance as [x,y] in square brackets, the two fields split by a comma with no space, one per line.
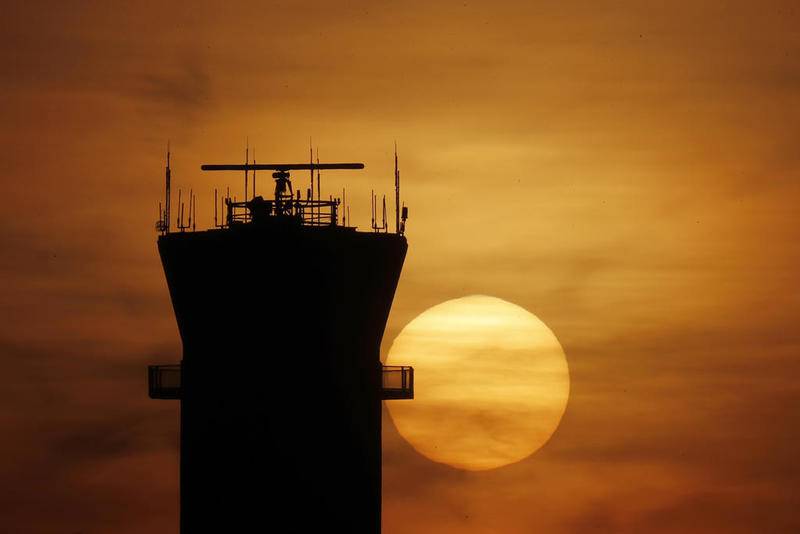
[164,382]
[397,382]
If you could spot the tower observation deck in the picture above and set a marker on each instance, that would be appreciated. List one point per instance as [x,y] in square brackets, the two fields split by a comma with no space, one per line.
[281,308]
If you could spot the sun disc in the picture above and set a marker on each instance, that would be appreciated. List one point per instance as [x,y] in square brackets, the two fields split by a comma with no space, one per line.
[491,383]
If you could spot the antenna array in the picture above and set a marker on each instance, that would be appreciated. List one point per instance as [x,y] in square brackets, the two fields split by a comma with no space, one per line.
[311,211]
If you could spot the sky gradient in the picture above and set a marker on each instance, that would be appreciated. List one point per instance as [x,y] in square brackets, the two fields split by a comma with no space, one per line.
[627,171]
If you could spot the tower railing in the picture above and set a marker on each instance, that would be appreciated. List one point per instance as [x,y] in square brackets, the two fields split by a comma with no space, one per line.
[308,212]
[164,381]
[397,382]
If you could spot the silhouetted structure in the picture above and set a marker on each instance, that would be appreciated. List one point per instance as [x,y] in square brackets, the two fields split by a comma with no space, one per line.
[281,311]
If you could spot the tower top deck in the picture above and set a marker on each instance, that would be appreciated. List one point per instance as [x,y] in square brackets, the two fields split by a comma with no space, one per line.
[287,205]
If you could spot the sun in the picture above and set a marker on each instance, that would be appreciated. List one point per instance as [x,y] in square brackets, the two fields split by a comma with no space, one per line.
[491,383]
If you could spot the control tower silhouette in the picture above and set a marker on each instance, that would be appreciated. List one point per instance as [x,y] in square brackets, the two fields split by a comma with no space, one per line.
[281,309]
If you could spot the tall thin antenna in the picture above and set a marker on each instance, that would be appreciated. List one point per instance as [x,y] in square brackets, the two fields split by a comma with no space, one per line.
[311,164]
[319,178]
[246,161]
[254,172]
[396,192]
[344,204]
[191,206]
[180,211]
[319,189]
[168,177]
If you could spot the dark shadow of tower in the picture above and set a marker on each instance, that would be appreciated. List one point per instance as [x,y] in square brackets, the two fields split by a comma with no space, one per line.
[281,313]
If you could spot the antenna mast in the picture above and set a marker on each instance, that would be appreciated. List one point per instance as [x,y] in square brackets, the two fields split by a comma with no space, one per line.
[396,192]
[180,212]
[319,194]
[166,210]
[246,161]
[385,226]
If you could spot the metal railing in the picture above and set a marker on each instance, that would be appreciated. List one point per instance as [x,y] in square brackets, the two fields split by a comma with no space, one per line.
[397,382]
[164,381]
[309,212]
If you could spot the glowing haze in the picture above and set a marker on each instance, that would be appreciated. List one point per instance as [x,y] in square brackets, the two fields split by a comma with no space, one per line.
[627,170]
[495,370]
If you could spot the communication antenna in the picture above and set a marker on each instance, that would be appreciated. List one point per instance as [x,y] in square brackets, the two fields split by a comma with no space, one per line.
[385,226]
[374,201]
[396,192]
[191,206]
[168,177]
[219,222]
[254,172]
[228,212]
[319,188]
[180,212]
[246,162]
[403,219]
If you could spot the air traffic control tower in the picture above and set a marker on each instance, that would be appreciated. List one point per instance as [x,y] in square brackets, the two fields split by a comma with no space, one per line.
[281,309]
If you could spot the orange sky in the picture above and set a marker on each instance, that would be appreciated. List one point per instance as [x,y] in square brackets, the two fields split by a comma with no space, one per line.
[627,172]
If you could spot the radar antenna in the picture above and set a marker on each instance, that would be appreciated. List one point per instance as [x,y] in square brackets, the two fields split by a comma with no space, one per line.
[284,202]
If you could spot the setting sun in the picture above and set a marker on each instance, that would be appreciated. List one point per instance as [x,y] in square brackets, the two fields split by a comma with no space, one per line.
[492,383]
